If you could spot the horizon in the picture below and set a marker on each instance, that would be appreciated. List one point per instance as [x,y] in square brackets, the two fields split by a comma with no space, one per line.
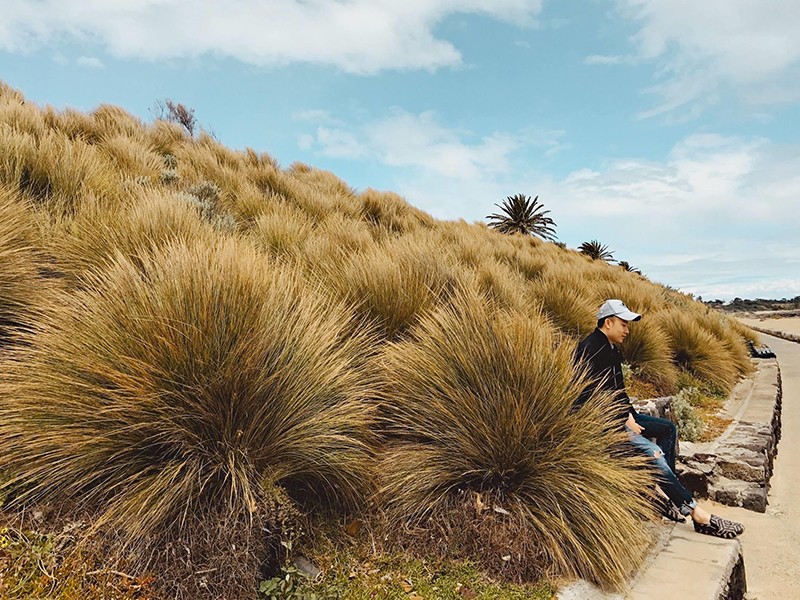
[668,132]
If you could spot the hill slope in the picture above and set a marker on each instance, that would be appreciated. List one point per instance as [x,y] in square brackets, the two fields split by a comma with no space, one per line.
[194,336]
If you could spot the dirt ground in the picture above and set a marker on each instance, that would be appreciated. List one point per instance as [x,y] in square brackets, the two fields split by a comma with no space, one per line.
[771,542]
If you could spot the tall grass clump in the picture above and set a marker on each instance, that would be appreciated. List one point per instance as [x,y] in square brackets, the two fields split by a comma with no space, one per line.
[282,230]
[721,327]
[562,293]
[97,234]
[20,283]
[392,284]
[696,350]
[476,411]
[392,213]
[647,350]
[175,395]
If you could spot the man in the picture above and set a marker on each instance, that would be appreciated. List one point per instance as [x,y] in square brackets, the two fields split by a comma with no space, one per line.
[600,354]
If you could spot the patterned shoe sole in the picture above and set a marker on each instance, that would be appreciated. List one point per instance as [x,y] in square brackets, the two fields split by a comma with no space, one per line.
[719,527]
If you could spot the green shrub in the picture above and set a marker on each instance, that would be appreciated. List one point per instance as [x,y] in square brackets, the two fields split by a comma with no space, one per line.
[690,425]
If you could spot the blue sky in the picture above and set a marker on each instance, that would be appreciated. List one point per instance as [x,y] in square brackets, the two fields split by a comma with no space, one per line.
[667,129]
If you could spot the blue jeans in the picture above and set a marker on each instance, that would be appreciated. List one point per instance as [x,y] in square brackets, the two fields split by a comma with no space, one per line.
[667,480]
[664,432]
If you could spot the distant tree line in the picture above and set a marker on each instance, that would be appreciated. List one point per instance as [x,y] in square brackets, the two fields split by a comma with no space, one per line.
[739,304]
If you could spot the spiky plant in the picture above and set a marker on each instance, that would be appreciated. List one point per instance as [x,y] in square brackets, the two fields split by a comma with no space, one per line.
[596,251]
[184,388]
[477,401]
[20,283]
[522,215]
[695,349]
[647,350]
[628,267]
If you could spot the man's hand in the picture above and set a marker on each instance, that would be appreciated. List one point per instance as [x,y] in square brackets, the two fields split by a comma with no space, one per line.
[633,425]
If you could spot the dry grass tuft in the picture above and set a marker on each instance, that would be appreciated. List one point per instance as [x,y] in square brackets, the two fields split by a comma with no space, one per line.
[647,350]
[281,231]
[695,349]
[479,401]
[98,234]
[21,287]
[722,328]
[180,387]
[391,212]
[393,284]
[564,298]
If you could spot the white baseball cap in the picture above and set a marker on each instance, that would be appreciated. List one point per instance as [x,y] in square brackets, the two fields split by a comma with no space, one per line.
[617,308]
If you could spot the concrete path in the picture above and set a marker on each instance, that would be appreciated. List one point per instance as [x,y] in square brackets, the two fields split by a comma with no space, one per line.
[771,542]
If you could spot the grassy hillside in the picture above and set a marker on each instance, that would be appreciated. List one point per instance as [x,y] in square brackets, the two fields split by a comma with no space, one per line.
[212,364]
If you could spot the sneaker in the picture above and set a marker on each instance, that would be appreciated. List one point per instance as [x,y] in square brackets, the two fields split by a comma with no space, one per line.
[719,527]
[668,510]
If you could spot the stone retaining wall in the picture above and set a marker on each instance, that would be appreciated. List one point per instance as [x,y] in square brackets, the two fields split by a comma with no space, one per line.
[735,469]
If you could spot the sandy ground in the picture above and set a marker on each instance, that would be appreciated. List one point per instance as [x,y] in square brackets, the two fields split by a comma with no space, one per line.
[771,542]
[787,324]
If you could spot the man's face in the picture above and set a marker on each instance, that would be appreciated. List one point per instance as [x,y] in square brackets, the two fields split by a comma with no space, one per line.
[616,329]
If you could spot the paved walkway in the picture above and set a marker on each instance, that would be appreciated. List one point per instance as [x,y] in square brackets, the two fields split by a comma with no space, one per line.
[771,542]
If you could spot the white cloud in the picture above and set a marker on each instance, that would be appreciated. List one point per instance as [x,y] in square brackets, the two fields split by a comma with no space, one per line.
[608,59]
[772,288]
[709,47]
[420,142]
[704,175]
[90,62]
[359,36]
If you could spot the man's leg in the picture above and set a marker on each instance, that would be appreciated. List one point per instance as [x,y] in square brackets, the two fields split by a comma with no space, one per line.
[679,495]
[665,433]
[704,522]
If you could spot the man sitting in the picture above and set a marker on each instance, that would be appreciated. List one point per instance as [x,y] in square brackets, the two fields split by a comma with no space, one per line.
[600,353]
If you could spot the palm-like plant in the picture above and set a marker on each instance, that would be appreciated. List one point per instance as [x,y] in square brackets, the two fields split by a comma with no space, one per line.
[596,251]
[628,267]
[523,215]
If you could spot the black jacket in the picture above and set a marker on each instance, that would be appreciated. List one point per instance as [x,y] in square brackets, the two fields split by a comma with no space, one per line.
[605,368]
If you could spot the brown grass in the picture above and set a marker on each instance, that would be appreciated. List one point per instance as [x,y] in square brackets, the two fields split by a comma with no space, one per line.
[479,401]
[695,349]
[168,394]
[21,287]
[184,263]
